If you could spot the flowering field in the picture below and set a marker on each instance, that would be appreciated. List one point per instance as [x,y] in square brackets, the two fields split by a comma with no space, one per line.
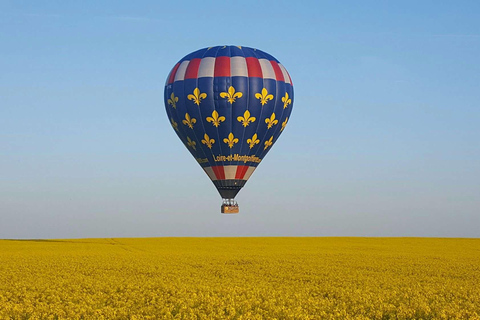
[240,278]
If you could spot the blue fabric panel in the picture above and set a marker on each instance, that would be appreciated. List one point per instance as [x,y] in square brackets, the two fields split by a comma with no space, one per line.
[248,52]
[236,51]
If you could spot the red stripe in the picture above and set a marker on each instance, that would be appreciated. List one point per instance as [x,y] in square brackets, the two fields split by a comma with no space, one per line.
[241,170]
[192,69]
[219,172]
[254,68]
[172,73]
[222,67]
[278,71]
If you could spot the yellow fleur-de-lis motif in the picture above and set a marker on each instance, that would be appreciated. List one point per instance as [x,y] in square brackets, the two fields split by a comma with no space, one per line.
[284,123]
[231,95]
[231,140]
[197,96]
[215,119]
[252,142]
[207,141]
[264,96]
[271,121]
[268,143]
[173,101]
[191,143]
[286,100]
[246,119]
[174,124]
[189,121]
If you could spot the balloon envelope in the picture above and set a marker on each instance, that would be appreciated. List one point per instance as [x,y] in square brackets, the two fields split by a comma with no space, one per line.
[228,105]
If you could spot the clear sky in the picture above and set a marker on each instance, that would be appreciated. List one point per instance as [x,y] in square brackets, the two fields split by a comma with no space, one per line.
[383,139]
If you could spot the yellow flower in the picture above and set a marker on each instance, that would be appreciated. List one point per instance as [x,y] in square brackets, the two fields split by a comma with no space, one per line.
[264,96]
[271,121]
[189,122]
[207,141]
[231,140]
[215,119]
[197,97]
[191,143]
[246,119]
[231,95]
[286,100]
[174,124]
[284,124]
[268,143]
[253,141]
[173,101]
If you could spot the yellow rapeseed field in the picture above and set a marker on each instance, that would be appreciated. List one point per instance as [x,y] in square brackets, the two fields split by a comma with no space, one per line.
[240,278]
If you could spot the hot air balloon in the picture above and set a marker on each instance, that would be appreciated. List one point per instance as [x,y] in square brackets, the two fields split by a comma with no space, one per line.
[228,105]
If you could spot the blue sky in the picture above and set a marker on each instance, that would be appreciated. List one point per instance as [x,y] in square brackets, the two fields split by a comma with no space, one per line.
[383,138]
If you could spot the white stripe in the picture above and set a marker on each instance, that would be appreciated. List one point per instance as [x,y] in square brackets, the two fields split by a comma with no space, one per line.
[267,69]
[210,173]
[230,171]
[206,67]
[248,173]
[285,73]
[180,75]
[238,67]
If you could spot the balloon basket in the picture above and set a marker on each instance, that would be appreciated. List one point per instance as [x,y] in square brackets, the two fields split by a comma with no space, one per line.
[229,209]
